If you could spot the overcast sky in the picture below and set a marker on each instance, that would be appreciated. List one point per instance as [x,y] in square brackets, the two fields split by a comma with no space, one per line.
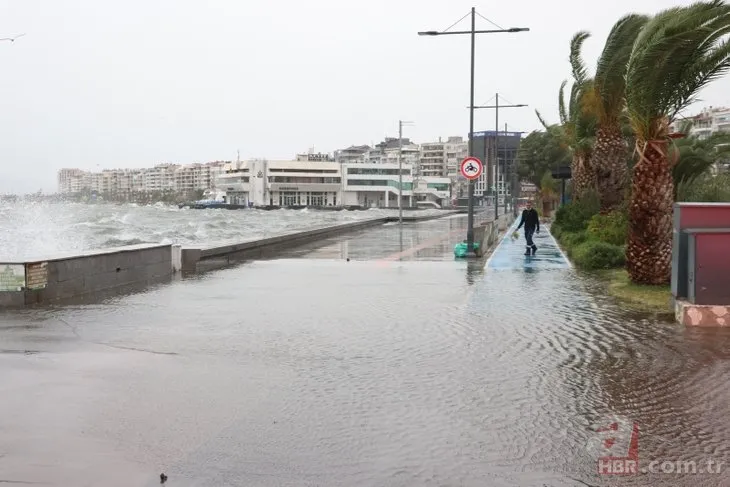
[130,83]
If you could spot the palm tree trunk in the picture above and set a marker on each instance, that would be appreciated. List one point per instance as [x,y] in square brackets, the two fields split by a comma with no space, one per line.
[649,251]
[609,160]
[584,178]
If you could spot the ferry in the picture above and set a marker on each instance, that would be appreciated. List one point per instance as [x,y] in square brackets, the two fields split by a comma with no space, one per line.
[212,200]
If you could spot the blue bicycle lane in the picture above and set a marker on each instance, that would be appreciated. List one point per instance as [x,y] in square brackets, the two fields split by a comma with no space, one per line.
[509,253]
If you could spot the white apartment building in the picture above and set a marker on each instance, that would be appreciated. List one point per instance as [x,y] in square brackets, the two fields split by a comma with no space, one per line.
[457,149]
[354,153]
[163,177]
[709,121]
[432,159]
[442,158]
[409,154]
[71,180]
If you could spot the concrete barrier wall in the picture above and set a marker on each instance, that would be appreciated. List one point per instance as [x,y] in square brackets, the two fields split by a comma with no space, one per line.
[488,232]
[220,256]
[266,247]
[95,272]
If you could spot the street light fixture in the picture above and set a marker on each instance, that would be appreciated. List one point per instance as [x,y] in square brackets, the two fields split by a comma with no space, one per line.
[472,33]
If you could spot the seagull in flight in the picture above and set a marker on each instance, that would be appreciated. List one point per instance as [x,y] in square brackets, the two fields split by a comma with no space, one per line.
[12,39]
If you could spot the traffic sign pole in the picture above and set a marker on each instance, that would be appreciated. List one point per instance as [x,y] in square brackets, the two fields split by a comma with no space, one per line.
[471,168]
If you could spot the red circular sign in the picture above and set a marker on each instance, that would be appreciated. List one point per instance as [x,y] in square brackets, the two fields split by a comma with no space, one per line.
[471,168]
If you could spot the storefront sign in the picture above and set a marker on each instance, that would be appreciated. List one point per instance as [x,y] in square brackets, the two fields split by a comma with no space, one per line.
[12,277]
[36,275]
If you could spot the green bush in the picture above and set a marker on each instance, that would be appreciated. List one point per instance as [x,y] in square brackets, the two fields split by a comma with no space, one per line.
[707,188]
[610,228]
[574,216]
[556,231]
[572,239]
[594,255]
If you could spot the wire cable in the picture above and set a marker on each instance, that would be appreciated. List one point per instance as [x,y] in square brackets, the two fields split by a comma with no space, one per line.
[497,26]
[454,24]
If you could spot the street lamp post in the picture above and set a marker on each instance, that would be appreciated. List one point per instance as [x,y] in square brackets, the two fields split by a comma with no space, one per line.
[497,106]
[472,33]
[401,123]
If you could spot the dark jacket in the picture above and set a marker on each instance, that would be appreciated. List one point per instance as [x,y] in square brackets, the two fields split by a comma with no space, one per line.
[530,220]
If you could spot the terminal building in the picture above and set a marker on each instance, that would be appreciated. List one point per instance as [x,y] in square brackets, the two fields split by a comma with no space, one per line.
[326,183]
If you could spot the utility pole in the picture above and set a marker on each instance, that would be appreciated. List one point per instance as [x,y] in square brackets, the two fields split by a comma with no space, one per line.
[472,32]
[497,106]
[401,123]
[496,157]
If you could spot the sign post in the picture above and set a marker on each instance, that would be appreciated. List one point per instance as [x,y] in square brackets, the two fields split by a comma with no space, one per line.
[471,168]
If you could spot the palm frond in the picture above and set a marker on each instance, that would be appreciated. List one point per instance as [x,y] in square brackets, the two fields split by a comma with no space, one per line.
[542,120]
[580,72]
[676,54]
[562,111]
[610,78]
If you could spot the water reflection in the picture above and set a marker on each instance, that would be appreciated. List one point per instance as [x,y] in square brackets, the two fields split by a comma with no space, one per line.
[474,271]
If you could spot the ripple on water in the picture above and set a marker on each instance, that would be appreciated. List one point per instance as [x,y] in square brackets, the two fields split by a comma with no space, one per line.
[372,378]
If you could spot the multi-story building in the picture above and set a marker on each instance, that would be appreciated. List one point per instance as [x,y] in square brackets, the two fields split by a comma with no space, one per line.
[710,120]
[385,152]
[354,153]
[282,183]
[309,183]
[163,177]
[432,160]
[71,180]
[497,180]
[456,150]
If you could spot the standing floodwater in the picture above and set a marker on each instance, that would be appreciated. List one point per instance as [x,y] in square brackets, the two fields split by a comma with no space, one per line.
[373,372]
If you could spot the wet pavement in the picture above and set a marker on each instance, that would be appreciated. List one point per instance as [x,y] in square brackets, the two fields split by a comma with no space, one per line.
[431,240]
[510,254]
[321,372]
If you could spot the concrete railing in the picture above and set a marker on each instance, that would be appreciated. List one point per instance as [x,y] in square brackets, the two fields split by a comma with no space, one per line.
[72,276]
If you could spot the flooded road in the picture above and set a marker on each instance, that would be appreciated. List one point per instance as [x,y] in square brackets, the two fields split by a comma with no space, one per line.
[322,372]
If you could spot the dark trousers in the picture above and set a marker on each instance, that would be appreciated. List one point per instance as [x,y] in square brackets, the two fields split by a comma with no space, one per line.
[528,237]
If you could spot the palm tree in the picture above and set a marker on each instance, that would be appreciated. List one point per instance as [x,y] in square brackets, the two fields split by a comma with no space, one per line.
[577,125]
[676,54]
[606,100]
[696,156]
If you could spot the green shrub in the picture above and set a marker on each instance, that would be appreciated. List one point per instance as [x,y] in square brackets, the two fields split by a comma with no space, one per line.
[556,231]
[572,239]
[574,216]
[610,228]
[707,188]
[594,255]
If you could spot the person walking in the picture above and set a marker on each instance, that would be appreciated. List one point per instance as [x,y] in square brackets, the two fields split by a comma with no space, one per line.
[531,221]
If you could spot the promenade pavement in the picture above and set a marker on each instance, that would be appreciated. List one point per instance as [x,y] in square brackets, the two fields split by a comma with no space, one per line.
[385,370]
